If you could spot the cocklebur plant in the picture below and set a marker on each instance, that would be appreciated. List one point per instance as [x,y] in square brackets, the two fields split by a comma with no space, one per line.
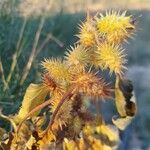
[68,83]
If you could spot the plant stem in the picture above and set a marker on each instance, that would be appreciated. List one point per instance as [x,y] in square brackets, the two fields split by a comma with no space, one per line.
[48,37]
[16,54]
[2,73]
[34,49]
[37,108]
[9,119]
[67,95]
[33,52]
[46,103]
[6,103]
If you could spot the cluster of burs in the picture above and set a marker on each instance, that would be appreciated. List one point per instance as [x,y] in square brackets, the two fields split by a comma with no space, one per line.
[72,85]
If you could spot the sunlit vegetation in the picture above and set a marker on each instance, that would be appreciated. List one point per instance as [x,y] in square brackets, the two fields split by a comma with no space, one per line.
[55,113]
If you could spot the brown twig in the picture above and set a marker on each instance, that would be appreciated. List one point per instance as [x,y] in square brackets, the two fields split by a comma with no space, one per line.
[37,108]
[33,52]
[34,48]
[46,103]
[48,37]
[16,54]
[57,41]
[64,98]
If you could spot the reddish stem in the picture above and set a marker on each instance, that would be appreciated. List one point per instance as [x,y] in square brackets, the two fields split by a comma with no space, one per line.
[37,108]
[68,94]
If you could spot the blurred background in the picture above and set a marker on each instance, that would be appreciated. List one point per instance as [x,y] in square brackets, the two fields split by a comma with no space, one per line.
[31,30]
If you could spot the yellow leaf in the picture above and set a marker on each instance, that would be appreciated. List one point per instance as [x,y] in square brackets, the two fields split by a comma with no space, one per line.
[47,139]
[110,132]
[122,123]
[69,145]
[30,142]
[119,99]
[125,103]
[35,95]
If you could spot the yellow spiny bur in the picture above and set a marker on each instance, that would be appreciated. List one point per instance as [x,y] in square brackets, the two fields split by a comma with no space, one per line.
[90,85]
[87,34]
[115,26]
[77,125]
[63,116]
[111,57]
[56,97]
[77,56]
[56,89]
[57,69]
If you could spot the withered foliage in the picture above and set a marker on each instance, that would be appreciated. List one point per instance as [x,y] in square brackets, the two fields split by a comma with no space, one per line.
[55,114]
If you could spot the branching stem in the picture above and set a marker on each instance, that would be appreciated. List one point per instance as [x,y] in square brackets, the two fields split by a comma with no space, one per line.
[37,108]
[67,95]
[46,103]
